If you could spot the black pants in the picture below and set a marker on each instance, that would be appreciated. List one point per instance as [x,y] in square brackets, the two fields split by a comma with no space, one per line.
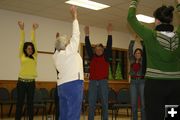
[159,93]
[25,89]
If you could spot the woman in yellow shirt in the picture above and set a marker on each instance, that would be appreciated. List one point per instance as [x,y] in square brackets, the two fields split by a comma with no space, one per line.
[28,72]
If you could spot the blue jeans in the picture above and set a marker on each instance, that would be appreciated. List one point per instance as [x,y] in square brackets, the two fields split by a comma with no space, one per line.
[137,89]
[95,87]
[70,100]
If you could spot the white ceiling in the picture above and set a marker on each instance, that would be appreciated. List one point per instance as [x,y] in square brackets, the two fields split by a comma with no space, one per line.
[57,9]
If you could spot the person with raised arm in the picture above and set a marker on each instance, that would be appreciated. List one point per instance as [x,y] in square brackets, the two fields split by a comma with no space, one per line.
[28,72]
[137,58]
[68,63]
[99,68]
[162,44]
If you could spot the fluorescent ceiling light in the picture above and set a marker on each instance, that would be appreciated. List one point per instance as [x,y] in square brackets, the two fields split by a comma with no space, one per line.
[87,4]
[145,19]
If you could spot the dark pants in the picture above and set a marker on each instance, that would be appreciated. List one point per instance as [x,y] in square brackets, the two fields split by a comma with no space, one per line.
[159,93]
[25,89]
[70,100]
[96,86]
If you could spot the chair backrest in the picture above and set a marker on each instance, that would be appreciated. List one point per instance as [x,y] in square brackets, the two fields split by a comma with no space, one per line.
[4,94]
[123,96]
[38,97]
[53,93]
[14,94]
[112,97]
[45,93]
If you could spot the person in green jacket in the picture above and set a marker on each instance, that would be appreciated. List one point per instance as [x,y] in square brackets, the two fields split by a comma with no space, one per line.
[162,85]
[28,72]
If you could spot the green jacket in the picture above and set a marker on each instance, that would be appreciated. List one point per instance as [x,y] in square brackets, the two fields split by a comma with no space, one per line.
[162,49]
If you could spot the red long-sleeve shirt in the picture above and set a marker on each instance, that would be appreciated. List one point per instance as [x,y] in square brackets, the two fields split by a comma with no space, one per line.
[99,68]
[99,65]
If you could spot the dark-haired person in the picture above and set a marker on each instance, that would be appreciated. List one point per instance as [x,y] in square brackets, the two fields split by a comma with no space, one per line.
[137,60]
[69,64]
[28,72]
[99,66]
[162,85]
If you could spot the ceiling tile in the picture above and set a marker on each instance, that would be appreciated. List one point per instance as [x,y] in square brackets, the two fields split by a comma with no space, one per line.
[115,11]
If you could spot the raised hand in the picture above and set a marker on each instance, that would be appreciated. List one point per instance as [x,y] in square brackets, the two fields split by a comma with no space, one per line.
[35,26]
[86,30]
[21,25]
[178,1]
[137,38]
[109,28]
[57,35]
[73,11]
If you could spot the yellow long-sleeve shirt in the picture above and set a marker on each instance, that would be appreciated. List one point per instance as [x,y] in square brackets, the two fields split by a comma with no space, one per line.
[28,65]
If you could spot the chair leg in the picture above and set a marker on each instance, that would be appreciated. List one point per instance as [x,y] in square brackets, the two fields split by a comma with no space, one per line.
[37,111]
[54,113]
[83,111]
[24,114]
[1,111]
[10,110]
[53,116]
[127,112]
[43,114]
[131,113]
[116,114]
[50,108]
[101,114]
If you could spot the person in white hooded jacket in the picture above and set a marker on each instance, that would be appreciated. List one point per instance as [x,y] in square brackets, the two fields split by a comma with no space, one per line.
[69,64]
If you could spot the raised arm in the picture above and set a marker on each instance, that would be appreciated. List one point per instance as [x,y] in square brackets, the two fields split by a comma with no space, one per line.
[130,52]
[34,28]
[178,1]
[140,29]
[57,37]
[87,42]
[75,39]
[108,50]
[22,38]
